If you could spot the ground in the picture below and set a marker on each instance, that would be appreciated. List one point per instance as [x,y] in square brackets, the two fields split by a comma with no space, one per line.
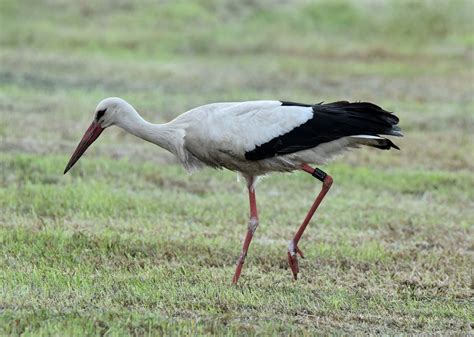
[129,243]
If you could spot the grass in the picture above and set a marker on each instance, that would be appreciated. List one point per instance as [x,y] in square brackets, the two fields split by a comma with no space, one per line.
[128,243]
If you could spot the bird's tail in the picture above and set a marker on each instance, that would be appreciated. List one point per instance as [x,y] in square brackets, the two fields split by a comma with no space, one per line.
[364,122]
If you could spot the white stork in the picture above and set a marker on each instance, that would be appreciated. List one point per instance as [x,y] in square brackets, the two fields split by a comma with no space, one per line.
[255,138]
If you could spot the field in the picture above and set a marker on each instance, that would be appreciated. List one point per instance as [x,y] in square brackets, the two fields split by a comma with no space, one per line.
[129,243]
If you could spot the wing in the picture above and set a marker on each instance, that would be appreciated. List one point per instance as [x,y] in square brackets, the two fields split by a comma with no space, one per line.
[238,128]
[330,122]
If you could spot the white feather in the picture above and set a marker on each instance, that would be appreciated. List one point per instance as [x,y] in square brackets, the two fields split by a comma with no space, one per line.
[217,134]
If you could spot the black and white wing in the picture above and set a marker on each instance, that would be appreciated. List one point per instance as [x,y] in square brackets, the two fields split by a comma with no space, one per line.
[330,122]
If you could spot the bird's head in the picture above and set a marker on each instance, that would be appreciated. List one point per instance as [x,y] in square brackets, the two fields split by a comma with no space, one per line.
[110,111]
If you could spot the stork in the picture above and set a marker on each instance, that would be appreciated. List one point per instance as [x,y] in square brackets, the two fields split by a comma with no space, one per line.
[255,138]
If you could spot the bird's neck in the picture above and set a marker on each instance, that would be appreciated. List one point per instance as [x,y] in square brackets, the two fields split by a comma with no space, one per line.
[165,135]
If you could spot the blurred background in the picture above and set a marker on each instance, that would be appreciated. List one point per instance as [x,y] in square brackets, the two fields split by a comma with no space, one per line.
[59,58]
[127,242]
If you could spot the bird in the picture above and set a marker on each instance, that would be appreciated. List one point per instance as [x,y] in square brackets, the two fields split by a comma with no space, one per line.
[256,138]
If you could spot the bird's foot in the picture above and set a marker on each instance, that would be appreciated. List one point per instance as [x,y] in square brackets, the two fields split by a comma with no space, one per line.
[293,252]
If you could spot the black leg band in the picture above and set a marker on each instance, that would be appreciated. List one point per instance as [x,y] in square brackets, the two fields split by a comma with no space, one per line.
[319,174]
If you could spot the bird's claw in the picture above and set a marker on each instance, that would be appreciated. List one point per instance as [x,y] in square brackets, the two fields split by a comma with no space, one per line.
[293,261]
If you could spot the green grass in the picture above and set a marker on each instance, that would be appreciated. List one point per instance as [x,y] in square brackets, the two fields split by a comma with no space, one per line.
[128,243]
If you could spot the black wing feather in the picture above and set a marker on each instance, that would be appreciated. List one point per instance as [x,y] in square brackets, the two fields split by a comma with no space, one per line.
[331,121]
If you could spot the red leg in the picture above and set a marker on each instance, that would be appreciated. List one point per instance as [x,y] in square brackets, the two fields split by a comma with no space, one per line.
[252,226]
[293,249]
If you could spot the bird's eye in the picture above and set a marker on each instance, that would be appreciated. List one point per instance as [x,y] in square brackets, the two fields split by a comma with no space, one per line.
[100,113]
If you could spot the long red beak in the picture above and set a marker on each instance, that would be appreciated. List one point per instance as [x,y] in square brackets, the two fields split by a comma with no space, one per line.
[92,133]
